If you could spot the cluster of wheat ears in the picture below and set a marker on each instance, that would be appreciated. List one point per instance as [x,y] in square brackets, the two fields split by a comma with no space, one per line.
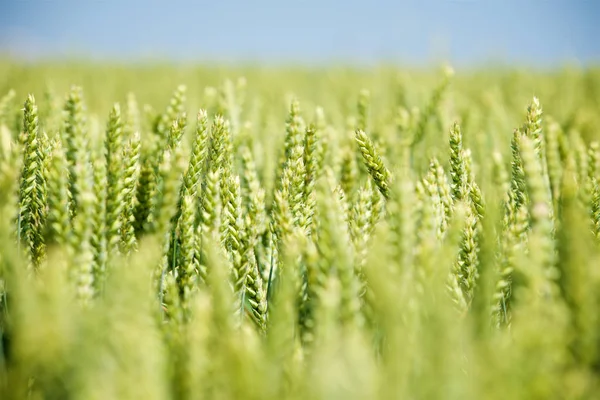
[150,257]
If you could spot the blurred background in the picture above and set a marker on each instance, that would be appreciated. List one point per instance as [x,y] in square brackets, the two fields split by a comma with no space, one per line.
[305,32]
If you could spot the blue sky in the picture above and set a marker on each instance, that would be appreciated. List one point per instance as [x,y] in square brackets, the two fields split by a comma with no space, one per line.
[531,32]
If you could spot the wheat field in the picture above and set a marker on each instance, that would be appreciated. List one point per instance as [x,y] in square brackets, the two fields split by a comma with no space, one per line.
[197,232]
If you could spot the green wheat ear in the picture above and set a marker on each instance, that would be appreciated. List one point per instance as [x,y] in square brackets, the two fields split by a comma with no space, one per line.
[360,229]
[539,207]
[192,178]
[458,171]
[133,122]
[114,177]
[256,294]
[130,155]
[348,172]
[99,237]
[293,140]
[174,110]
[313,148]
[82,263]
[232,234]
[186,269]
[32,192]
[74,136]
[59,213]
[372,160]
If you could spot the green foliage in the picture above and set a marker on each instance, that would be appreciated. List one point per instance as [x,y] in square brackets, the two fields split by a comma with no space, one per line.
[423,241]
